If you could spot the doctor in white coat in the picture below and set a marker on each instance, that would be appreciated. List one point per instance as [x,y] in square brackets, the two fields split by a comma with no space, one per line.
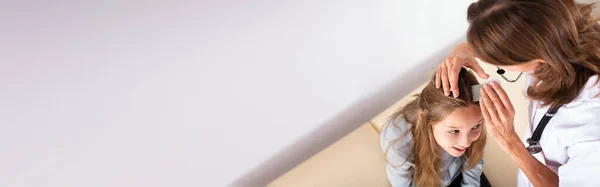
[557,42]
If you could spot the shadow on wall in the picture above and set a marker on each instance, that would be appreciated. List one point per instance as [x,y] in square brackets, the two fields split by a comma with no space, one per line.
[343,123]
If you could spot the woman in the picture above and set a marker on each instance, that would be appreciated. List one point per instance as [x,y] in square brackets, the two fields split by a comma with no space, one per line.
[557,43]
[435,140]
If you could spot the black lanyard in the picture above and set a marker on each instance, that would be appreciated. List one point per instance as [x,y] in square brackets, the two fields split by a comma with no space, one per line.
[534,141]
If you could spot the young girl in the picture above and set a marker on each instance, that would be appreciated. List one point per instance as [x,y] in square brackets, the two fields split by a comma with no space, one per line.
[436,140]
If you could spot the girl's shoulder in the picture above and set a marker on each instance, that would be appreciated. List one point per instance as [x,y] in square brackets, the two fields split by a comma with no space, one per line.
[396,140]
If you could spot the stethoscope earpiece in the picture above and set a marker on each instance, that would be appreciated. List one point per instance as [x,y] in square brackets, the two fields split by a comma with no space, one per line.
[500,71]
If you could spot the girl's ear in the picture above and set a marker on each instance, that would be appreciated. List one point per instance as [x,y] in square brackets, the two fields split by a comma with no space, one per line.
[420,114]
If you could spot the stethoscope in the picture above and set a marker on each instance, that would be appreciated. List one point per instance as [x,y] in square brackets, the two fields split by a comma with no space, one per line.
[501,72]
[533,141]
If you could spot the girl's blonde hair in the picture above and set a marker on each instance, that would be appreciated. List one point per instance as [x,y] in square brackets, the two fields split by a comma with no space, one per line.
[434,106]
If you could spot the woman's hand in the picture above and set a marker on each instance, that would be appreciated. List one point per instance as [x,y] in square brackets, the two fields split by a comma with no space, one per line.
[447,73]
[499,114]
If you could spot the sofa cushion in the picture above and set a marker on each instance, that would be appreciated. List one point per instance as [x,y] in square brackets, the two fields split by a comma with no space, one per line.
[354,160]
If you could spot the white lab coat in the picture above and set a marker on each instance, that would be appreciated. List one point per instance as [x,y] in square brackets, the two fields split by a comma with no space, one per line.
[571,140]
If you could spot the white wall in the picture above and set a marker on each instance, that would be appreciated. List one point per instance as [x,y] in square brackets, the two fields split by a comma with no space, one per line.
[201,93]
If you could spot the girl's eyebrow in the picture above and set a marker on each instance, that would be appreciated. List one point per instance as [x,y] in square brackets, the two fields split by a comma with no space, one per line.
[451,126]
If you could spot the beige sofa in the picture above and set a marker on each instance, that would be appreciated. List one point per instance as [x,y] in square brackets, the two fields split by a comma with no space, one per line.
[357,160]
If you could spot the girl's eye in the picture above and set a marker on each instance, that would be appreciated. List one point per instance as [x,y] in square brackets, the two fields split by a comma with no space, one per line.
[476,127]
[453,131]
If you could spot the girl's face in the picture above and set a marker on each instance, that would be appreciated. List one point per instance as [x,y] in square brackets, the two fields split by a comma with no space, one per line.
[461,127]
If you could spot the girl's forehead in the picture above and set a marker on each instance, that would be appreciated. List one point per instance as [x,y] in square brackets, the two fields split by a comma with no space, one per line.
[464,117]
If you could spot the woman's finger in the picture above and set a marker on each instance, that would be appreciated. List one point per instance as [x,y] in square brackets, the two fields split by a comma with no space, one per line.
[487,119]
[445,83]
[489,105]
[495,101]
[503,97]
[438,79]
[453,71]
[484,111]
[477,68]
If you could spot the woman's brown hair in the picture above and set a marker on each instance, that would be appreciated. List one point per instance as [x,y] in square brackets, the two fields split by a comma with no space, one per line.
[433,107]
[562,33]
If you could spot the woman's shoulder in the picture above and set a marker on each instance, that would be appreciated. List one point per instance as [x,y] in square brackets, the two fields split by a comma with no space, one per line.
[589,93]
[396,140]
[578,120]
